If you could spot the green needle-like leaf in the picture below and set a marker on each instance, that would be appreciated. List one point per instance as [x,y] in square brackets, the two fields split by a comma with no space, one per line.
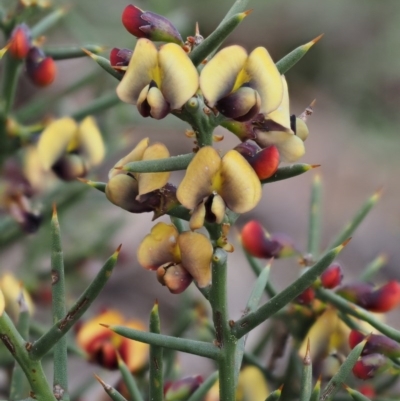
[60,358]
[111,391]
[129,381]
[372,268]
[337,381]
[104,64]
[356,221]
[287,62]
[356,395]
[97,106]
[172,163]
[306,376]
[63,53]
[200,393]
[200,348]
[100,186]
[275,395]
[62,326]
[283,173]
[156,386]
[238,6]
[351,309]
[252,320]
[48,22]
[214,41]
[314,227]
[316,391]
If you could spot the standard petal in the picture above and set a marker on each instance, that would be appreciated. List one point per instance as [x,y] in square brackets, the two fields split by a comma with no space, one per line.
[198,180]
[290,146]
[122,190]
[218,77]
[91,143]
[281,115]
[196,254]
[142,69]
[241,188]
[135,155]
[179,77]
[265,79]
[55,139]
[159,247]
[159,107]
[149,182]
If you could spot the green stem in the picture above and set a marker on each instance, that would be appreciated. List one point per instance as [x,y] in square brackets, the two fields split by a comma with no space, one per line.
[372,268]
[225,341]
[129,381]
[48,22]
[306,377]
[283,173]
[200,348]
[33,369]
[238,7]
[62,53]
[60,357]
[97,106]
[351,309]
[46,342]
[105,65]
[156,386]
[314,227]
[173,163]
[252,320]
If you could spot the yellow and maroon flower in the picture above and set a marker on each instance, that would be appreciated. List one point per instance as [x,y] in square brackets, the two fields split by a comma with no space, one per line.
[40,69]
[146,24]
[103,346]
[20,41]
[177,258]
[239,85]
[158,81]
[213,183]
[259,243]
[135,192]
[69,149]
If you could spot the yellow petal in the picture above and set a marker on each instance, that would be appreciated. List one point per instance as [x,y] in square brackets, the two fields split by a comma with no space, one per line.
[218,208]
[159,247]
[252,385]
[90,141]
[265,79]
[290,146]
[281,115]
[301,129]
[54,140]
[135,155]
[141,71]
[2,303]
[151,181]
[196,253]
[134,353]
[241,188]
[179,77]
[198,180]
[198,216]
[218,77]
[159,107]
[92,331]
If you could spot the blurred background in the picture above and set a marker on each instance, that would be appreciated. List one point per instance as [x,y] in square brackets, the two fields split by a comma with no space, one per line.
[353,72]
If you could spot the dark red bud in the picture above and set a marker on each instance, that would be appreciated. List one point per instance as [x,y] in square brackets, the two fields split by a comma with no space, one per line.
[367,390]
[367,366]
[40,69]
[355,338]
[256,242]
[120,57]
[384,298]
[266,162]
[20,41]
[377,343]
[355,292]
[145,24]
[306,297]
[332,276]
[247,149]
[182,389]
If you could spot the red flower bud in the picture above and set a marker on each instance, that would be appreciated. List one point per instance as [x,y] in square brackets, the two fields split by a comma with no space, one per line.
[182,389]
[367,366]
[145,24]
[384,298]
[377,343]
[120,57]
[355,292]
[332,276]
[306,297]
[40,69]
[367,390]
[20,41]
[266,162]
